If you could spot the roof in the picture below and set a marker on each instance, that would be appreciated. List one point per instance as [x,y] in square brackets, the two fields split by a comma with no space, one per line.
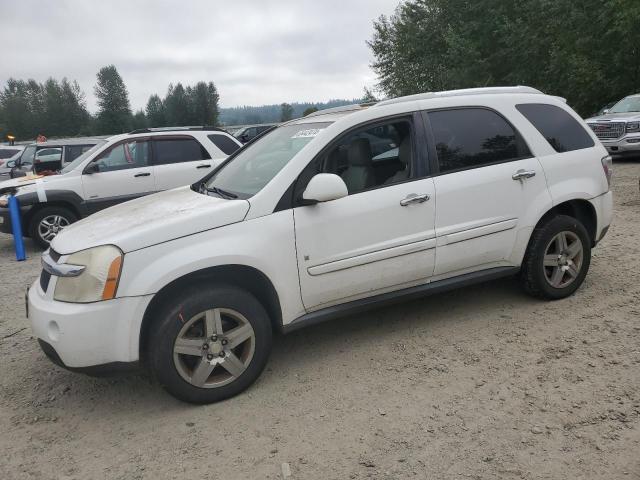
[459,93]
[70,141]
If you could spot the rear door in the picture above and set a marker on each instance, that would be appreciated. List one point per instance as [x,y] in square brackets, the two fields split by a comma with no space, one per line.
[124,172]
[486,183]
[179,160]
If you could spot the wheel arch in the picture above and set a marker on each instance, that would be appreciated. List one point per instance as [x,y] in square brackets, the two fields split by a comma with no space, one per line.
[36,207]
[579,209]
[242,276]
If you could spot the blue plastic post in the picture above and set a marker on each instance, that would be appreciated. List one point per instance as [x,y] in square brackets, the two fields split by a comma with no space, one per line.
[16,228]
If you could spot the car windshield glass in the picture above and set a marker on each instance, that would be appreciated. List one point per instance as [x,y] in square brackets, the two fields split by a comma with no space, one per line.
[255,166]
[27,155]
[81,158]
[629,104]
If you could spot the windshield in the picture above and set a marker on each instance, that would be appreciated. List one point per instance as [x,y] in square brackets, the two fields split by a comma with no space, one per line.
[26,159]
[255,166]
[81,158]
[629,104]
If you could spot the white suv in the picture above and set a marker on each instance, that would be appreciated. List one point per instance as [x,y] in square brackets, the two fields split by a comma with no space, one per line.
[324,216]
[112,171]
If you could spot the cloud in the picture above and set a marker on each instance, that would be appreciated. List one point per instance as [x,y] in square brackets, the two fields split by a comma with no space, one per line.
[256,52]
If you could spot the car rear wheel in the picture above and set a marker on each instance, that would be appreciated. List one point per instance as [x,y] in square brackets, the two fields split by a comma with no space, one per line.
[46,223]
[557,258]
[209,344]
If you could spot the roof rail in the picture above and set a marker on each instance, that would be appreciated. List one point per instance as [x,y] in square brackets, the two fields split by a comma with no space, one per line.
[176,129]
[344,108]
[460,93]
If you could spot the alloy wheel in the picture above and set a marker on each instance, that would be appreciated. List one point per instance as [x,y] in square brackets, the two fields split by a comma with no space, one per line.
[50,226]
[214,348]
[563,259]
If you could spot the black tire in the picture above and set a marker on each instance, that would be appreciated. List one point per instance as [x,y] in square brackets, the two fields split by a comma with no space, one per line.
[36,219]
[171,321]
[534,274]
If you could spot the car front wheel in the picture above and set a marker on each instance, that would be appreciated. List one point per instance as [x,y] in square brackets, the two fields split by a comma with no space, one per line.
[209,344]
[557,258]
[46,223]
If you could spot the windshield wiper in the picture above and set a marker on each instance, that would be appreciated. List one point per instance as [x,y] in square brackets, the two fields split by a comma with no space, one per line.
[220,192]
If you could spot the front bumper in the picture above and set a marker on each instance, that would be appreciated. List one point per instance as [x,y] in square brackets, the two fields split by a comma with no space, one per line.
[90,334]
[629,144]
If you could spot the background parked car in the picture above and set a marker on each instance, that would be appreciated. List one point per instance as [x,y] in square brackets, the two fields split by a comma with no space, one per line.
[619,128]
[113,171]
[249,132]
[9,153]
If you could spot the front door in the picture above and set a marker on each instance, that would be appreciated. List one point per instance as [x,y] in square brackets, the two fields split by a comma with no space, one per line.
[379,237]
[487,180]
[123,173]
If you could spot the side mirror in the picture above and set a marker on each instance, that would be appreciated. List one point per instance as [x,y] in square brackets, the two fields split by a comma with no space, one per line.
[92,168]
[605,111]
[11,164]
[324,187]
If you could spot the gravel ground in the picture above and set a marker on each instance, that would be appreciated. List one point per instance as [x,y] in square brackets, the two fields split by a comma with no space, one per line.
[480,383]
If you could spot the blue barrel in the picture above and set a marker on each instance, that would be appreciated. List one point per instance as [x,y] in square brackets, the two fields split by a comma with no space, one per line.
[16,228]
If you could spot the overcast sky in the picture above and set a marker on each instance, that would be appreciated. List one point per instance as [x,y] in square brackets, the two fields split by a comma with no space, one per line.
[257,52]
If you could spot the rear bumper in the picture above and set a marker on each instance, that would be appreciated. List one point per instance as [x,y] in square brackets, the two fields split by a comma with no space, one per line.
[603,206]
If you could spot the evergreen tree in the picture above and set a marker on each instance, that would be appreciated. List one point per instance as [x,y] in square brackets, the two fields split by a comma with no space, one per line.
[155,112]
[309,111]
[176,105]
[139,120]
[114,111]
[286,112]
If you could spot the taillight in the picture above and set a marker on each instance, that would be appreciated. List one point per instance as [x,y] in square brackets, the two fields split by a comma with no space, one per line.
[607,166]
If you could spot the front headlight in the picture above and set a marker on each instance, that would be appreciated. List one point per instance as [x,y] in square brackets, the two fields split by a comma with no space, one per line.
[98,281]
[633,127]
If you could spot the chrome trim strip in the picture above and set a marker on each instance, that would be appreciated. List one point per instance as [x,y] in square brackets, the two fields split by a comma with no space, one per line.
[60,270]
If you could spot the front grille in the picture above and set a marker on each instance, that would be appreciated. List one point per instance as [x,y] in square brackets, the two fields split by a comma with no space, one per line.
[45,277]
[608,130]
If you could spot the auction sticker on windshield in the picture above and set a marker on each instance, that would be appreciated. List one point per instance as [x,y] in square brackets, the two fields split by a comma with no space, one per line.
[311,132]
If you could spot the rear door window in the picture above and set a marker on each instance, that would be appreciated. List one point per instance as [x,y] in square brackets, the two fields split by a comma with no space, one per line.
[560,129]
[224,143]
[168,150]
[474,137]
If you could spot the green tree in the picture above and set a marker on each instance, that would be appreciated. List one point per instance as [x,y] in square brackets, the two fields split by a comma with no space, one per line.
[177,106]
[286,112]
[155,112]
[309,111]
[139,120]
[567,48]
[368,96]
[114,110]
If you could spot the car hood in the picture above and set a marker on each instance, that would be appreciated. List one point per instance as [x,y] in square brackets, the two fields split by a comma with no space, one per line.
[20,182]
[616,117]
[151,220]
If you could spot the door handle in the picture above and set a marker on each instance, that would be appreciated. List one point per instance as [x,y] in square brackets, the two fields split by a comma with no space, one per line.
[144,174]
[414,198]
[523,174]
[204,165]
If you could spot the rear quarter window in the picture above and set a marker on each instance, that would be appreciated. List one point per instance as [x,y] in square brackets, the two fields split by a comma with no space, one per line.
[171,149]
[557,126]
[224,143]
